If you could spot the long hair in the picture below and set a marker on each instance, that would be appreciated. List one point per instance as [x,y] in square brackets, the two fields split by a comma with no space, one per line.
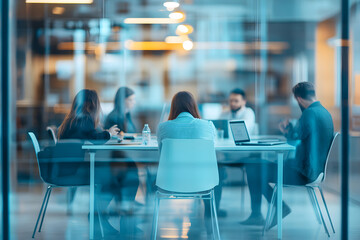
[86,104]
[183,102]
[119,101]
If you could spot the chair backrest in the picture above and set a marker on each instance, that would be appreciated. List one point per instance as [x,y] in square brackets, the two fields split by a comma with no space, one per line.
[52,135]
[330,152]
[187,165]
[35,143]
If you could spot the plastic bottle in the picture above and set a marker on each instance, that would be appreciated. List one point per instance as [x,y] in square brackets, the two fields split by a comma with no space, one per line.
[146,135]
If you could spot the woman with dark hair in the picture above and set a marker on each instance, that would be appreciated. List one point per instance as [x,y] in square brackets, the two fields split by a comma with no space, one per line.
[82,123]
[83,120]
[125,173]
[124,102]
[185,123]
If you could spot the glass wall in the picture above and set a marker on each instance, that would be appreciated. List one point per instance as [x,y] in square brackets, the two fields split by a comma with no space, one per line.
[157,49]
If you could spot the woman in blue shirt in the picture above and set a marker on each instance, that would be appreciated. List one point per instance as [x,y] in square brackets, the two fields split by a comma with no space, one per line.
[185,123]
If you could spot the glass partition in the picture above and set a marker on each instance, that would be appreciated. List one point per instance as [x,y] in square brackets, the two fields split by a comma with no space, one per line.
[158,48]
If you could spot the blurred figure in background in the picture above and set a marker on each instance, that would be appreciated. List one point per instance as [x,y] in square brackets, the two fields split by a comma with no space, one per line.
[82,123]
[124,169]
[238,110]
[315,131]
[124,102]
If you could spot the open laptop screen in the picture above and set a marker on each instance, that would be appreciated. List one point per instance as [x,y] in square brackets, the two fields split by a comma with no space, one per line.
[239,131]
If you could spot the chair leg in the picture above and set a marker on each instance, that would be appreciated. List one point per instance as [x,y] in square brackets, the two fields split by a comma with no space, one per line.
[215,214]
[41,210]
[46,204]
[100,221]
[212,218]
[243,192]
[327,210]
[270,210]
[70,198]
[318,206]
[156,217]
[311,196]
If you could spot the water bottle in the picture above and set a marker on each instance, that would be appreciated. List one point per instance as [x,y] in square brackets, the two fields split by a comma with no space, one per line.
[146,135]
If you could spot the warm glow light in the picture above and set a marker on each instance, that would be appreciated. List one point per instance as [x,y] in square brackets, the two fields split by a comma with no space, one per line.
[58,10]
[172,5]
[152,21]
[184,29]
[176,39]
[154,46]
[177,15]
[188,45]
[175,43]
[61,1]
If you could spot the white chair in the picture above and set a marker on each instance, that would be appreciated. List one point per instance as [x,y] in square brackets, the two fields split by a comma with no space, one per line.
[187,169]
[51,131]
[312,194]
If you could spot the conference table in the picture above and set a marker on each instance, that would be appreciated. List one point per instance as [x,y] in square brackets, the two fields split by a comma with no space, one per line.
[224,145]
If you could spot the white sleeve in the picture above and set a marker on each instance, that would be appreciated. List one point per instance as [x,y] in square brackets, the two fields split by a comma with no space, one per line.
[249,118]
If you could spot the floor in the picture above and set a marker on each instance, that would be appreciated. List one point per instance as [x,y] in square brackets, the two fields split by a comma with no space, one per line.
[179,219]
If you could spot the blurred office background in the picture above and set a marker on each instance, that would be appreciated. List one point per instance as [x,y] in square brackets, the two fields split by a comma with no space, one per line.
[207,47]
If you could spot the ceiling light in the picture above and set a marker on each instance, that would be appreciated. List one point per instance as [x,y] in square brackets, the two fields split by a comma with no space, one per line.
[188,45]
[58,10]
[184,29]
[176,39]
[171,5]
[177,15]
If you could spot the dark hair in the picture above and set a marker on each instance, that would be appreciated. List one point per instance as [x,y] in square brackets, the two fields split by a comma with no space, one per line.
[86,104]
[305,90]
[239,91]
[183,102]
[119,101]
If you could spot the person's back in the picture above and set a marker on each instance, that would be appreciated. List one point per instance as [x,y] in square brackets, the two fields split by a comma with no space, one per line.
[315,130]
[185,126]
[83,128]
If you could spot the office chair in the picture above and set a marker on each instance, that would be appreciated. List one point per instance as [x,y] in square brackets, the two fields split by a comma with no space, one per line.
[71,191]
[310,187]
[187,170]
[51,132]
[47,171]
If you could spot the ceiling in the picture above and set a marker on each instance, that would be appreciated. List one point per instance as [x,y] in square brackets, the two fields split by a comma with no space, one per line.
[276,10]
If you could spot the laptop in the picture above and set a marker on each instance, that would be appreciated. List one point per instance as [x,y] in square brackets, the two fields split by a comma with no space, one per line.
[222,124]
[241,136]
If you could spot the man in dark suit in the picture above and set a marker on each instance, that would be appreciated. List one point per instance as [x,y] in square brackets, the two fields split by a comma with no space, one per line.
[315,131]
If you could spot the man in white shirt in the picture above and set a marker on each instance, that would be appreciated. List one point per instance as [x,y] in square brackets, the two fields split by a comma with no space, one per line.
[238,110]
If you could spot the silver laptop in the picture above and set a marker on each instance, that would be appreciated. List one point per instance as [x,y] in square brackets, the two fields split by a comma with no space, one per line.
[241,136]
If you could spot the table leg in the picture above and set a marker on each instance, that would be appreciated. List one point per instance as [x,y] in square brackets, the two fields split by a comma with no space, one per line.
[279,192]
[92,193]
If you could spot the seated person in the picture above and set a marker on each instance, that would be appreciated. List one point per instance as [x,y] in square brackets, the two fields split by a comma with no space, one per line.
[124,102]
[125,172]
[315,131]
[82,123]
[238,110]
[185,123]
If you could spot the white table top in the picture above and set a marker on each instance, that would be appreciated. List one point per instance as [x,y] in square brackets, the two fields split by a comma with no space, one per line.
[222,145]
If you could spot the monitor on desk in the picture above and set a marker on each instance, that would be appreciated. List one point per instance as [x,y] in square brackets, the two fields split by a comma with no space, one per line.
[222,124]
